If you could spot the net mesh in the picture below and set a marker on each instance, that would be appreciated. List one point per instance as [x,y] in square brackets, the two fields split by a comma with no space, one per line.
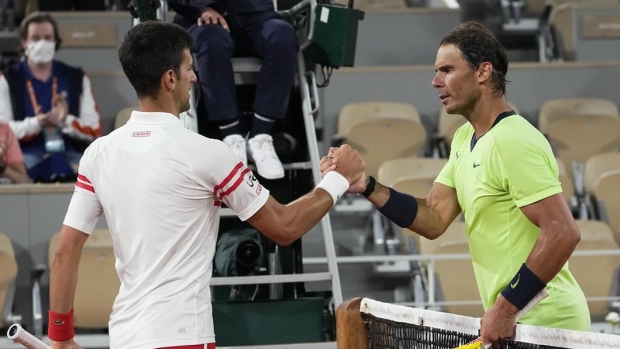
[396,327]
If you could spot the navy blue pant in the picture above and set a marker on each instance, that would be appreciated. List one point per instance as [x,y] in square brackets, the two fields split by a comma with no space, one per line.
[273,40]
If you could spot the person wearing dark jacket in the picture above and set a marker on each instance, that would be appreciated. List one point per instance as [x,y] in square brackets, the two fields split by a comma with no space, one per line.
[221,30]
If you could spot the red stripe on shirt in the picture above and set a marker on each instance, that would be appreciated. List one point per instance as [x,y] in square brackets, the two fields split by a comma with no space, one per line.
[83,178]
[228,178]
[217,203]
[235,185]
[84,186]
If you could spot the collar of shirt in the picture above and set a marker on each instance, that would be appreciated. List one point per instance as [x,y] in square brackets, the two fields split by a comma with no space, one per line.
[154,118]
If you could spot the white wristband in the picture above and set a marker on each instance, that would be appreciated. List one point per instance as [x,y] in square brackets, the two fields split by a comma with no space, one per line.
[335,184]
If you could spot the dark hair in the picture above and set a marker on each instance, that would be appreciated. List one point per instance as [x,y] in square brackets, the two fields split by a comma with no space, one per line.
[149,50]
[478,45]
[39,17]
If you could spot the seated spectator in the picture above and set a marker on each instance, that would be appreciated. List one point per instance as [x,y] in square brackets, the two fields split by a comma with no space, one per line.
[250,28]
[48,104]
[11,159]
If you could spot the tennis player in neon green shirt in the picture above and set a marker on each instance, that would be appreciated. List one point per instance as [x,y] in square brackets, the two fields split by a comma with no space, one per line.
[503,176]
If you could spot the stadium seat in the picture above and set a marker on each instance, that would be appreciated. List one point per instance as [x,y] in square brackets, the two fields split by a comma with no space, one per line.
[601,283]
[564,107]
[562,19]
[381,131]
[568,187]
[596,166]
[595,230]
[607,193]
[98,283]
[457,281]
[414,176]
[576,138]
[447,126]
[8,273]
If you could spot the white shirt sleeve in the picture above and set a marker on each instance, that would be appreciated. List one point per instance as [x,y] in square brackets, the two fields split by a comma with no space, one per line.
[84,210]
[27,127]
[86,126]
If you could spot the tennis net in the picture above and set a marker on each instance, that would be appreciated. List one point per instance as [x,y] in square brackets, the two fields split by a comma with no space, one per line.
[388,326]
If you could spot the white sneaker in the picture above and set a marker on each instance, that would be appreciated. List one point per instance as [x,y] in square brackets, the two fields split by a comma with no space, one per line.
[262,153]
[237,144]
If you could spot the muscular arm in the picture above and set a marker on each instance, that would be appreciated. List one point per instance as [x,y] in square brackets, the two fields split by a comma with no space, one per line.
[558,238]
[286,223]
[436,211]
[63,279]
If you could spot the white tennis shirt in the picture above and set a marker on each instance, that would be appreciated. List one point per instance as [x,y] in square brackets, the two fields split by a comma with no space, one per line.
[160,187]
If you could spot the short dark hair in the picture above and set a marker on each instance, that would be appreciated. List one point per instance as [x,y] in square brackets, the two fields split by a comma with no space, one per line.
[149,50]
[39,17]
[478,45]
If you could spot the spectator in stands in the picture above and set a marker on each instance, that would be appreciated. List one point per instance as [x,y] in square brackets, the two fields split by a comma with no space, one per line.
[222,29]
[48,104]
[502,175]
[11,158]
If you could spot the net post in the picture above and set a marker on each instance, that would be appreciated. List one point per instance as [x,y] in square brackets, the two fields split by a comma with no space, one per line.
[350,330]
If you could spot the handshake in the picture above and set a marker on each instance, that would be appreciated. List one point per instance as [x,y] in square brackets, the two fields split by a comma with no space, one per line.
[347,162]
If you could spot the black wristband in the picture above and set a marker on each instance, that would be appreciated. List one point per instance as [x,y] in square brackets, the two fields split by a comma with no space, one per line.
[400,208]
[3,167]
[370,187]
[524,286]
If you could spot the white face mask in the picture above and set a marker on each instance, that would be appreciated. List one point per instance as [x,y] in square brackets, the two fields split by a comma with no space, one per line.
[41,51]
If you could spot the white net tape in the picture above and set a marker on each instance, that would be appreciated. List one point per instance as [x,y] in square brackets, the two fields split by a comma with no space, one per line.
[465,324]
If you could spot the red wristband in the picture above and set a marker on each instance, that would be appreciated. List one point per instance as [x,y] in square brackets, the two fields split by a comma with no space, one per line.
[60,326]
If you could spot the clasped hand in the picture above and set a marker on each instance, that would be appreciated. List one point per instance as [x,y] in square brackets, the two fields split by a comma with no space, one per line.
[336,160]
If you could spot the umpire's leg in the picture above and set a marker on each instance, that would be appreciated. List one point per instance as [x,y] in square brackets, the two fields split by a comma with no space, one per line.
[214,47]
[276,43]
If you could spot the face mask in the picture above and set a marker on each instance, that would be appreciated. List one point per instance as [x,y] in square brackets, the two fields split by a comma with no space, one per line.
[41,51]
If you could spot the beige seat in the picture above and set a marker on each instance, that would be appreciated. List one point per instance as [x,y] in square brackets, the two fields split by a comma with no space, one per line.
[382,131]
[578,137]
[457,281]
[564,107]
[562,20]
[597,165]
[595,230]
[455,276]
[98,282]
[8,273]
[123,116]
[607,193]
[595,274]
[448,124]
[568,186]
[414,176]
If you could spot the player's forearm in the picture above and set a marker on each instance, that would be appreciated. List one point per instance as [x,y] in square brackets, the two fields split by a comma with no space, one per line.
[554,246]
[64,272]
[427,223]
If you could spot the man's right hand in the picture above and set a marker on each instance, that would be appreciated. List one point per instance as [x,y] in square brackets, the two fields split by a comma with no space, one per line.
[350,164]
[329,163]
[211,16]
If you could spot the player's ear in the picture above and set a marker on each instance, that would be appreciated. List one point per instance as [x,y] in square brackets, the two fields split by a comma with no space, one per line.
[484,71]
[169,79]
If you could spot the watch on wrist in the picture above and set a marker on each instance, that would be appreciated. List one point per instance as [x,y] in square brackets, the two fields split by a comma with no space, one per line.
[370,187]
